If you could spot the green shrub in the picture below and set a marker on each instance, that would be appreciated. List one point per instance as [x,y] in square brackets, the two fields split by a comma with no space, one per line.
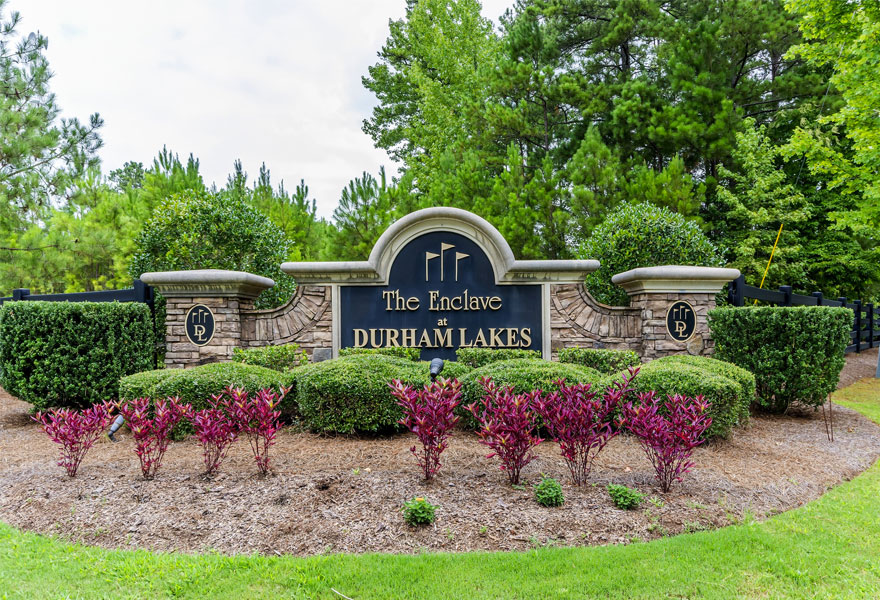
[548,492]
[351,394]
[604,361]
[278,358]
[524,375]
[419,511]
[480,357]
[796,353]
[451,369]
[729,401]
[642,235]
[198,230]
[413,354]
[72,354]
[196,385]
[744,378]
[623,497]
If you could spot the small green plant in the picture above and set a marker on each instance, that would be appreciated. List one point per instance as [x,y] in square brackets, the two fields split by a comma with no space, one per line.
[548,492]
[419,511]
[656,502]
[623,497]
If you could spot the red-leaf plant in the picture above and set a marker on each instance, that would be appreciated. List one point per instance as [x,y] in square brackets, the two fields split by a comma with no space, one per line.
[429,413]
[581,421]
[151,427]
[668,431]
[256,418]
[507,426]
[75,431]
[216,431]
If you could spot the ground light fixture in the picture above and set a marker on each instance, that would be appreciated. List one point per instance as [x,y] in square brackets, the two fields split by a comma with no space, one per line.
[436,368]
[117,423]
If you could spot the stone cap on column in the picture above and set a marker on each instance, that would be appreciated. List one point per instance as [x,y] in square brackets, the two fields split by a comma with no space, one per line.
[675,279]
[207,282]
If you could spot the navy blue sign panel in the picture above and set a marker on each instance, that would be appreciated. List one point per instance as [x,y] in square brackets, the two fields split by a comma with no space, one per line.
[681,321]
[441,295]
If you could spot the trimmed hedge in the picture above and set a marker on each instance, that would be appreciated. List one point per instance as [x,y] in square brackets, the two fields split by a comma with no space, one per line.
[282,358]
[480,357]
[72,354]
[351,394]
[730,401]
[524,375]
[796,353]
[604,361]
[413,354]
[196,385]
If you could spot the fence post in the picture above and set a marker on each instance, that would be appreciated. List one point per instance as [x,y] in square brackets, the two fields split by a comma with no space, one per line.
[735,291]
[818,297]
[786,289]
[20,294]
[144,293]
[869,310]
[858,324]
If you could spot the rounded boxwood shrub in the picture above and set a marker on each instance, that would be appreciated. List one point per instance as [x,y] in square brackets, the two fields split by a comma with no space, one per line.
[351,394]
[524,375]
[196,385]
[284,357]
[413,354]
[480,357]
[72,354]
[796,353]
[642,235]
[729,401]
[199,230]
[745,379]
[604,361]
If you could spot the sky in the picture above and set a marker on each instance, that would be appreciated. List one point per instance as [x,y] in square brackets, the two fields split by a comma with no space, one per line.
[269,81]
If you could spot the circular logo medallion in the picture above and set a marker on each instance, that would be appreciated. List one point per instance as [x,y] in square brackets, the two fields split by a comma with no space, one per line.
[681,321]
[199,325]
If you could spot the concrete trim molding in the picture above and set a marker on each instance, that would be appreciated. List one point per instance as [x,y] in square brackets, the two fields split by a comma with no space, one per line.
[675,279]
[377,268]
[207,282]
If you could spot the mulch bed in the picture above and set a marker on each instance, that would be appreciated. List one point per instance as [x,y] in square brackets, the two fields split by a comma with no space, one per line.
[343,494]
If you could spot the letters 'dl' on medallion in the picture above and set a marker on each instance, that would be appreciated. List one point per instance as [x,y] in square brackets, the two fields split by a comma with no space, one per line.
[199,325]
[681,321]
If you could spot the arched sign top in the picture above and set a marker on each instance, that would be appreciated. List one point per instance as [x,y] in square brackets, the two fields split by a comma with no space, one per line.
[505,267]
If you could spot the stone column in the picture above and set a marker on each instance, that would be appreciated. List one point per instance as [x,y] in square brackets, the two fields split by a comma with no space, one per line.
[659,293]
[224,293]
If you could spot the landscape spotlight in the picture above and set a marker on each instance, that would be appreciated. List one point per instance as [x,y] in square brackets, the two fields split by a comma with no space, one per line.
[436,368]
[115,427]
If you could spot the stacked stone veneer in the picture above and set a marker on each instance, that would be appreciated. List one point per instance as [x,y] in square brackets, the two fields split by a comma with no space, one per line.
[576,319]
[306,320]
[179,352]
[655,340]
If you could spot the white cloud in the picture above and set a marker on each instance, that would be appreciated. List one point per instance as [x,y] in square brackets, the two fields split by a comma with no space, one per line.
[264,81]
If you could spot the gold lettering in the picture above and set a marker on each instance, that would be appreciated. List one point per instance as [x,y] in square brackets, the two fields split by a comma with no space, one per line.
[526,334]
[480,340]
[512,341]
[425,341]
[410,305]
[444,303]
[409,338]
[200,332]
[452,303]
[443,339]
[388,295]
[495,337]
[679,328]
[391,337]
[432,297]
[474,303]
[373,342]
[495,303]
[360,338]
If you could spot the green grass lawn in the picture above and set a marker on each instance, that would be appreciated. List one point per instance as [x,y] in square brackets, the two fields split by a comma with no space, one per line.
[827,549]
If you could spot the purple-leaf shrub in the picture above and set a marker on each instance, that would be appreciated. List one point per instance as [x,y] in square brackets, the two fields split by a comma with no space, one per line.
[216,431]
[151,428]
[668,431]
[507,426]
[76,431]
[429,413]
[256,418]
[581,421]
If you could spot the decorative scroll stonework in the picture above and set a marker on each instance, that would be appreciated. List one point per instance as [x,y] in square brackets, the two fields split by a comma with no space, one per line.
[567,315]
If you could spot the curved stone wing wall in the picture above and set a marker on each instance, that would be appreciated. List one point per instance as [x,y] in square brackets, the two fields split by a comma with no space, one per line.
[305,320]
[576,319]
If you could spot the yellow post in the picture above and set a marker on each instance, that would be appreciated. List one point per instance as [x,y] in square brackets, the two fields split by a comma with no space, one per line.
[767,268]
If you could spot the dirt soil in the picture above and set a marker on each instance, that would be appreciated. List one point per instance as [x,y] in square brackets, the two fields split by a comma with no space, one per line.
[344,494]
[858,366]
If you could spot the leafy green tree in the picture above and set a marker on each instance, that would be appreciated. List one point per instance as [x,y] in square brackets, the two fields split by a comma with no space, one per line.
[40,154]
[198,230]
[366,209]
[130,175]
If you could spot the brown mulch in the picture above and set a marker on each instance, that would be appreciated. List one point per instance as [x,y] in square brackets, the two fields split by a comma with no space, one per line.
[344,494]
[858,366]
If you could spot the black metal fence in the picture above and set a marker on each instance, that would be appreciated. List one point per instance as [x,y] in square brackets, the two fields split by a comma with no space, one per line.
[866,318]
